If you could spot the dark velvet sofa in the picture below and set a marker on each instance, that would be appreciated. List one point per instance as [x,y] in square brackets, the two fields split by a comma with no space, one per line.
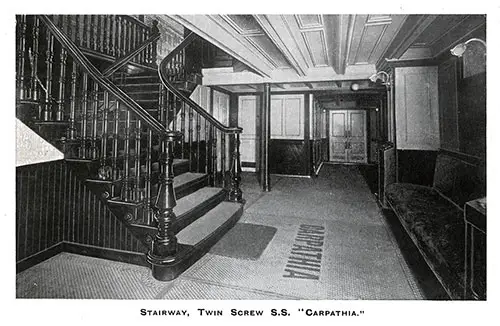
[433,216]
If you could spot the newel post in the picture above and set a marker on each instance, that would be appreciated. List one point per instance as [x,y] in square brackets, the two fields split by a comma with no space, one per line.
[164,246]
[235,193]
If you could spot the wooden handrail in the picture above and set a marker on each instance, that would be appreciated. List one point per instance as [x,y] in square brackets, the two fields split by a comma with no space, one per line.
[164,79]
[126,58]
[105,83]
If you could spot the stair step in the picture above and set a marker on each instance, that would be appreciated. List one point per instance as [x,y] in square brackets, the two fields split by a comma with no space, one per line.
[193,206]
[189,182]
[206,225]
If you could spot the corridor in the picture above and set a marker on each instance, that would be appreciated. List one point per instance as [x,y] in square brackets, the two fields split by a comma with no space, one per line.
[323,239]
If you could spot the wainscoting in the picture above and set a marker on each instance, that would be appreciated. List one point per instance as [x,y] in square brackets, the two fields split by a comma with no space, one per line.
[289,157]
[53,206]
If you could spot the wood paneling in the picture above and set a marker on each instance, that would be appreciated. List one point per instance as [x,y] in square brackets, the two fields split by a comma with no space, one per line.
[417,108]
[472,115]
[288,157]
[247,119]
[41,207]
[416,167]
[287,117]
[53,205]
[448,105]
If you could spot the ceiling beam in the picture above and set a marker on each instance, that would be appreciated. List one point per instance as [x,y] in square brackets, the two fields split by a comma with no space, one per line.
[411,29]
[214,31]
[275,27]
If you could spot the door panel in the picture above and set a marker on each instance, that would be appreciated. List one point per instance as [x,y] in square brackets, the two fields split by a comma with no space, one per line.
[338,137]
[357,136]
[247,117]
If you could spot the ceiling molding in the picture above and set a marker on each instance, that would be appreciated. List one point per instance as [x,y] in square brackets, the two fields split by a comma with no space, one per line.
[283,42]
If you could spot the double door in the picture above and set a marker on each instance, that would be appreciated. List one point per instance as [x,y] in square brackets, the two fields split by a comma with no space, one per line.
[348,136]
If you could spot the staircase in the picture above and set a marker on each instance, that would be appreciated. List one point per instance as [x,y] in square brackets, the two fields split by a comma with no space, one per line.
[163,165]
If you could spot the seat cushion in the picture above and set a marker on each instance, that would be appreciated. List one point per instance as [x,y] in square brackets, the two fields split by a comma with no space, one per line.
[437,228]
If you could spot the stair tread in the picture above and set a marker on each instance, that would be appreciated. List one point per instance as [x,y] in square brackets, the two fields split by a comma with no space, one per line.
[208,223]
[184,178]
[196,198]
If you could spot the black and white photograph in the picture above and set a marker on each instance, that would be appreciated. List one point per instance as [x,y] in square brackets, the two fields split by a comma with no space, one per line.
[245,166]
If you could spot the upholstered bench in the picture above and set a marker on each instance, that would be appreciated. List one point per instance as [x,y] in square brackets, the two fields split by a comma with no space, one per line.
[433,216]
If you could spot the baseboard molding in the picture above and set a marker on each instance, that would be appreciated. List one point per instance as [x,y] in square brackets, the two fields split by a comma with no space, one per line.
[39,257]
[129,257]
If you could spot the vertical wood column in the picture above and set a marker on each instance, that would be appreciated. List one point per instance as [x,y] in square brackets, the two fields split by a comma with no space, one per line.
[265,137]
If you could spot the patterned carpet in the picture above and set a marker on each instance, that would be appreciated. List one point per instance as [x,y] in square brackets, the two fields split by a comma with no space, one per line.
[332,242]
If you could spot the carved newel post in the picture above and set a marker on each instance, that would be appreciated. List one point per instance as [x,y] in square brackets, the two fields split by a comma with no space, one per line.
[164,246]
[235,193]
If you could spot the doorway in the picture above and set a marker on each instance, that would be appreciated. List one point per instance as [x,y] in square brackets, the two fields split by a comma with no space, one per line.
[348,143]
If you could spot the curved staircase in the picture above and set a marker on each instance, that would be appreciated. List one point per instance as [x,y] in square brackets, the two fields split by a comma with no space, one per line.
[163,165]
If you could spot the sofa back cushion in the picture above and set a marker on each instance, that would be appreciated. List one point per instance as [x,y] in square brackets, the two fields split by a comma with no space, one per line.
[458,179]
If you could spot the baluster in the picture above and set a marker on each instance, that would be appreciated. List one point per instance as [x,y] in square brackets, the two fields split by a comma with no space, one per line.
[142,55]
[190,138]
[95,106]
[85,33]
[137,195]
[214,155]
[119,36]
[77,30]
[207,146]
[62,84]
[104,173]
[20,56]
[161,104]
[198,141]
[108,32]
[83,145]
[168,105]
[147,178]
[154,51]
[164,246]
[235,193]
[148,49]
[183,127]
[92,32]
[223,157]
[72,99]
[174,112]
[126,36]
[114,150]
[127,186]
[47,114]
[34,59]
[114,36]
[133,39]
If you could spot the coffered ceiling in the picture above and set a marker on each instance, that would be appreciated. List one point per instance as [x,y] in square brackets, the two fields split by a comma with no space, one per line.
[311,51]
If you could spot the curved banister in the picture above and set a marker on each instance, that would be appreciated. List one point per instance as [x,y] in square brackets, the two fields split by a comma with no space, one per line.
[105,83]
[164,79]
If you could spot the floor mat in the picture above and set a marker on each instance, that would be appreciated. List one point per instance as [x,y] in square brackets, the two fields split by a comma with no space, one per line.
[245,241]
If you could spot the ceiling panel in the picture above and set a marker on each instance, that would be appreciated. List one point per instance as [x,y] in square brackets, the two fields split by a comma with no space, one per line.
[316,46]
[265,46]
[369,41]
[244,24]
[438,27]
[309,21]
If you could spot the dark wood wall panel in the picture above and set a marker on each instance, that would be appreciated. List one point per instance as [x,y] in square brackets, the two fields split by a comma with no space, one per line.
[416,166]
[289,157]
[53,205]
[40,207]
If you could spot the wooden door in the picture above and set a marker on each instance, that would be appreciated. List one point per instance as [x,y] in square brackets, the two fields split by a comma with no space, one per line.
[247,116]
[356,147]
[338,136]
[348,136]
